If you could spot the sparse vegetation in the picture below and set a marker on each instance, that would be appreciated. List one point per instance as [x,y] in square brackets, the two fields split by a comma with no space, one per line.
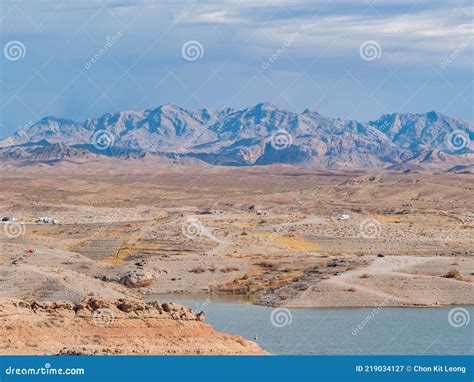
[454,274]
[229,269]
[266,264]
[199,269]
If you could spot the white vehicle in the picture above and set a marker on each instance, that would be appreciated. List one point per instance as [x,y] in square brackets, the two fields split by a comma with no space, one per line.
[47,220]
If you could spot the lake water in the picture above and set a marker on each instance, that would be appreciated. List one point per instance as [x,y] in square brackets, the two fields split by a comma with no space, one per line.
[338,330]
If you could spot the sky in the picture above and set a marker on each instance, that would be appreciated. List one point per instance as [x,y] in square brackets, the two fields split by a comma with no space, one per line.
[347,59]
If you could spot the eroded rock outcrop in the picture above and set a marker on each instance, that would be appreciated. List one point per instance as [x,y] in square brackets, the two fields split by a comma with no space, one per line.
[100,325]
[137,278]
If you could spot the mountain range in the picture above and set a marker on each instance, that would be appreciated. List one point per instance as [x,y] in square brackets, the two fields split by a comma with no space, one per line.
[260,135]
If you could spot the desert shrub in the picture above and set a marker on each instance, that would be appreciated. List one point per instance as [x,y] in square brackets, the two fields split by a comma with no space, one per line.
[453,274]
[199,269]
[229,269]
[266,264]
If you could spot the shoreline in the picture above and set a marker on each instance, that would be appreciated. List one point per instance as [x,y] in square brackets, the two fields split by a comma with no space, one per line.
[227,299]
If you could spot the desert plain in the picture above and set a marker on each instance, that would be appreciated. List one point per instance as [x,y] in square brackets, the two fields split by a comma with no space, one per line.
[128,230]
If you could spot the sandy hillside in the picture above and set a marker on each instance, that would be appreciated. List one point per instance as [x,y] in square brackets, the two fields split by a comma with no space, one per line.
[127,229]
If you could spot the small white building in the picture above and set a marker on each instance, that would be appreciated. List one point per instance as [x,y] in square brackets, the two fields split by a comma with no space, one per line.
[344,217]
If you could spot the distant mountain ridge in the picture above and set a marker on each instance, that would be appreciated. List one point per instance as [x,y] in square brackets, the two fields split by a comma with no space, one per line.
[260,135]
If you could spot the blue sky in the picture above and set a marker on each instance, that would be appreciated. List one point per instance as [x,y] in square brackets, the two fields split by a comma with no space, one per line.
[295,54]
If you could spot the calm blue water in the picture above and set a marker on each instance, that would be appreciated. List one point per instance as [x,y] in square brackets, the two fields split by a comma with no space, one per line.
[334,331]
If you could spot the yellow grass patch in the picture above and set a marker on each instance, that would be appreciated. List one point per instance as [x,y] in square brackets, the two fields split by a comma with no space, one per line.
[295,242]
[414,218]
[243,225]
[392,218]
[76,244]
[126,249]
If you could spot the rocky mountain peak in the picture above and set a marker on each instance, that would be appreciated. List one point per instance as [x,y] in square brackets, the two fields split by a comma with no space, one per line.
[260,134]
